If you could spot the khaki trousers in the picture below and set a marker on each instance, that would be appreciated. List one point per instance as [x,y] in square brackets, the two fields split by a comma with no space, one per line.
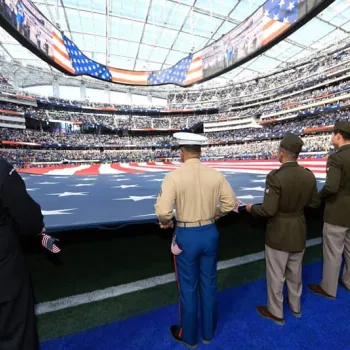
[336,242]
[280,267]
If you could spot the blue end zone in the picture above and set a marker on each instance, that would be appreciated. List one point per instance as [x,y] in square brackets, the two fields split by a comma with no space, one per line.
[75,202]
[324,324]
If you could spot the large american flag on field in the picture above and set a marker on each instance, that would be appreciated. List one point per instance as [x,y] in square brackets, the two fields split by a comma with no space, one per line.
[279,15]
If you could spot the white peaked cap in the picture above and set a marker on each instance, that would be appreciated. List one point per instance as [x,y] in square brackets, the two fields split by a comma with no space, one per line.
[187,138]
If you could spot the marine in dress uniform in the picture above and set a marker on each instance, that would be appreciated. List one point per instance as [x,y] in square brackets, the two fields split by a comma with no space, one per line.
[19,215]
[289,190]
[336,228]
[200,195]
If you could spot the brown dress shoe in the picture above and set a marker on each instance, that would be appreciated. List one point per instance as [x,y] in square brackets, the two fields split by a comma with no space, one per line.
[343,285]
[264,312]
[316,288]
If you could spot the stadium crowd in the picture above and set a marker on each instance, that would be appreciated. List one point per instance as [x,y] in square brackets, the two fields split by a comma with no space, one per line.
[266,149]
[296,125]
[322,95]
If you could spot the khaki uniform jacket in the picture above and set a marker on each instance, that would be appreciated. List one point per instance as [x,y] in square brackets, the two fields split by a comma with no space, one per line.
[195,191]
[336,191]
[289,190]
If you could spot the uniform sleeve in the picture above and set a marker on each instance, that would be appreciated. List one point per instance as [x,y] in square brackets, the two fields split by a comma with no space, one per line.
[24,211]
[228,199]
[331,186]
[269,207]
[166,200]
[315,200]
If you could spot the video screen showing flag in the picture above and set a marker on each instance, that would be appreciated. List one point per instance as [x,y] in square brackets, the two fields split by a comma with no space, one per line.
[253,36]
[30,23]
[262,28]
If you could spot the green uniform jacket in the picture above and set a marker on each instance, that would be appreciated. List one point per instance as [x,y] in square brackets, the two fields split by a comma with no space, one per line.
[336,191]
[289,190]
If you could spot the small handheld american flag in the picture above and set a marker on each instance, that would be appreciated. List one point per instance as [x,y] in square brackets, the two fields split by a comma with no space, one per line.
[239,204]
[48,242]
[174,247]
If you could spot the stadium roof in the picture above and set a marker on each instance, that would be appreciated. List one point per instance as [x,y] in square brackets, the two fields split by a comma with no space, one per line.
[155,34]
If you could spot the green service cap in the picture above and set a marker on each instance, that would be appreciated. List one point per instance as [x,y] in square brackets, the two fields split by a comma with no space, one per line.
[292,143]
[342,126]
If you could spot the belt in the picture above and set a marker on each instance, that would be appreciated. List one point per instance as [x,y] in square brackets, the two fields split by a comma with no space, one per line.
[195,223]
[289,215]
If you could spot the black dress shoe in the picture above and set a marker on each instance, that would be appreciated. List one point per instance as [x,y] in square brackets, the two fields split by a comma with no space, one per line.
[176,334]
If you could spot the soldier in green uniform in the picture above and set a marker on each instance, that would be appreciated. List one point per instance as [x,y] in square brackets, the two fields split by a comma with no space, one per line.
[336,227]
[289,190]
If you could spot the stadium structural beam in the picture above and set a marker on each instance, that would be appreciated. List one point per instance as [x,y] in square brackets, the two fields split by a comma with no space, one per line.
[142,34]
[66,18]
[302,46]
[223,22]
[333,25]
[108,31]
[4,48]
[50,12]
[179,31]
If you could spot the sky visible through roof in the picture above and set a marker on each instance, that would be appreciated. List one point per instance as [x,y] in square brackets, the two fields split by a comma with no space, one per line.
[156,34]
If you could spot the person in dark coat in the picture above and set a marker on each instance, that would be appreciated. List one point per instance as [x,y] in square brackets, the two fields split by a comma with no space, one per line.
[20,215]
[289,190]
[336,228]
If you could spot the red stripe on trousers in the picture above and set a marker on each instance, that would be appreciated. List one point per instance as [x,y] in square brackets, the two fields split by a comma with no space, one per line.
[178,286]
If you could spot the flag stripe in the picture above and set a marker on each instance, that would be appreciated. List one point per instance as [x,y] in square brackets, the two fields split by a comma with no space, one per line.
[60,49]
[61,56]
[278,17]
[129,77]
[195,72]
[193,80]
[195,69]
[128,72]
[274,30]
[60,52]
[63,63]
[268,24]
[128,81]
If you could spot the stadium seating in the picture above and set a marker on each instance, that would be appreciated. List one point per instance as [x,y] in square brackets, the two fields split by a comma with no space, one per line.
[306,100]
